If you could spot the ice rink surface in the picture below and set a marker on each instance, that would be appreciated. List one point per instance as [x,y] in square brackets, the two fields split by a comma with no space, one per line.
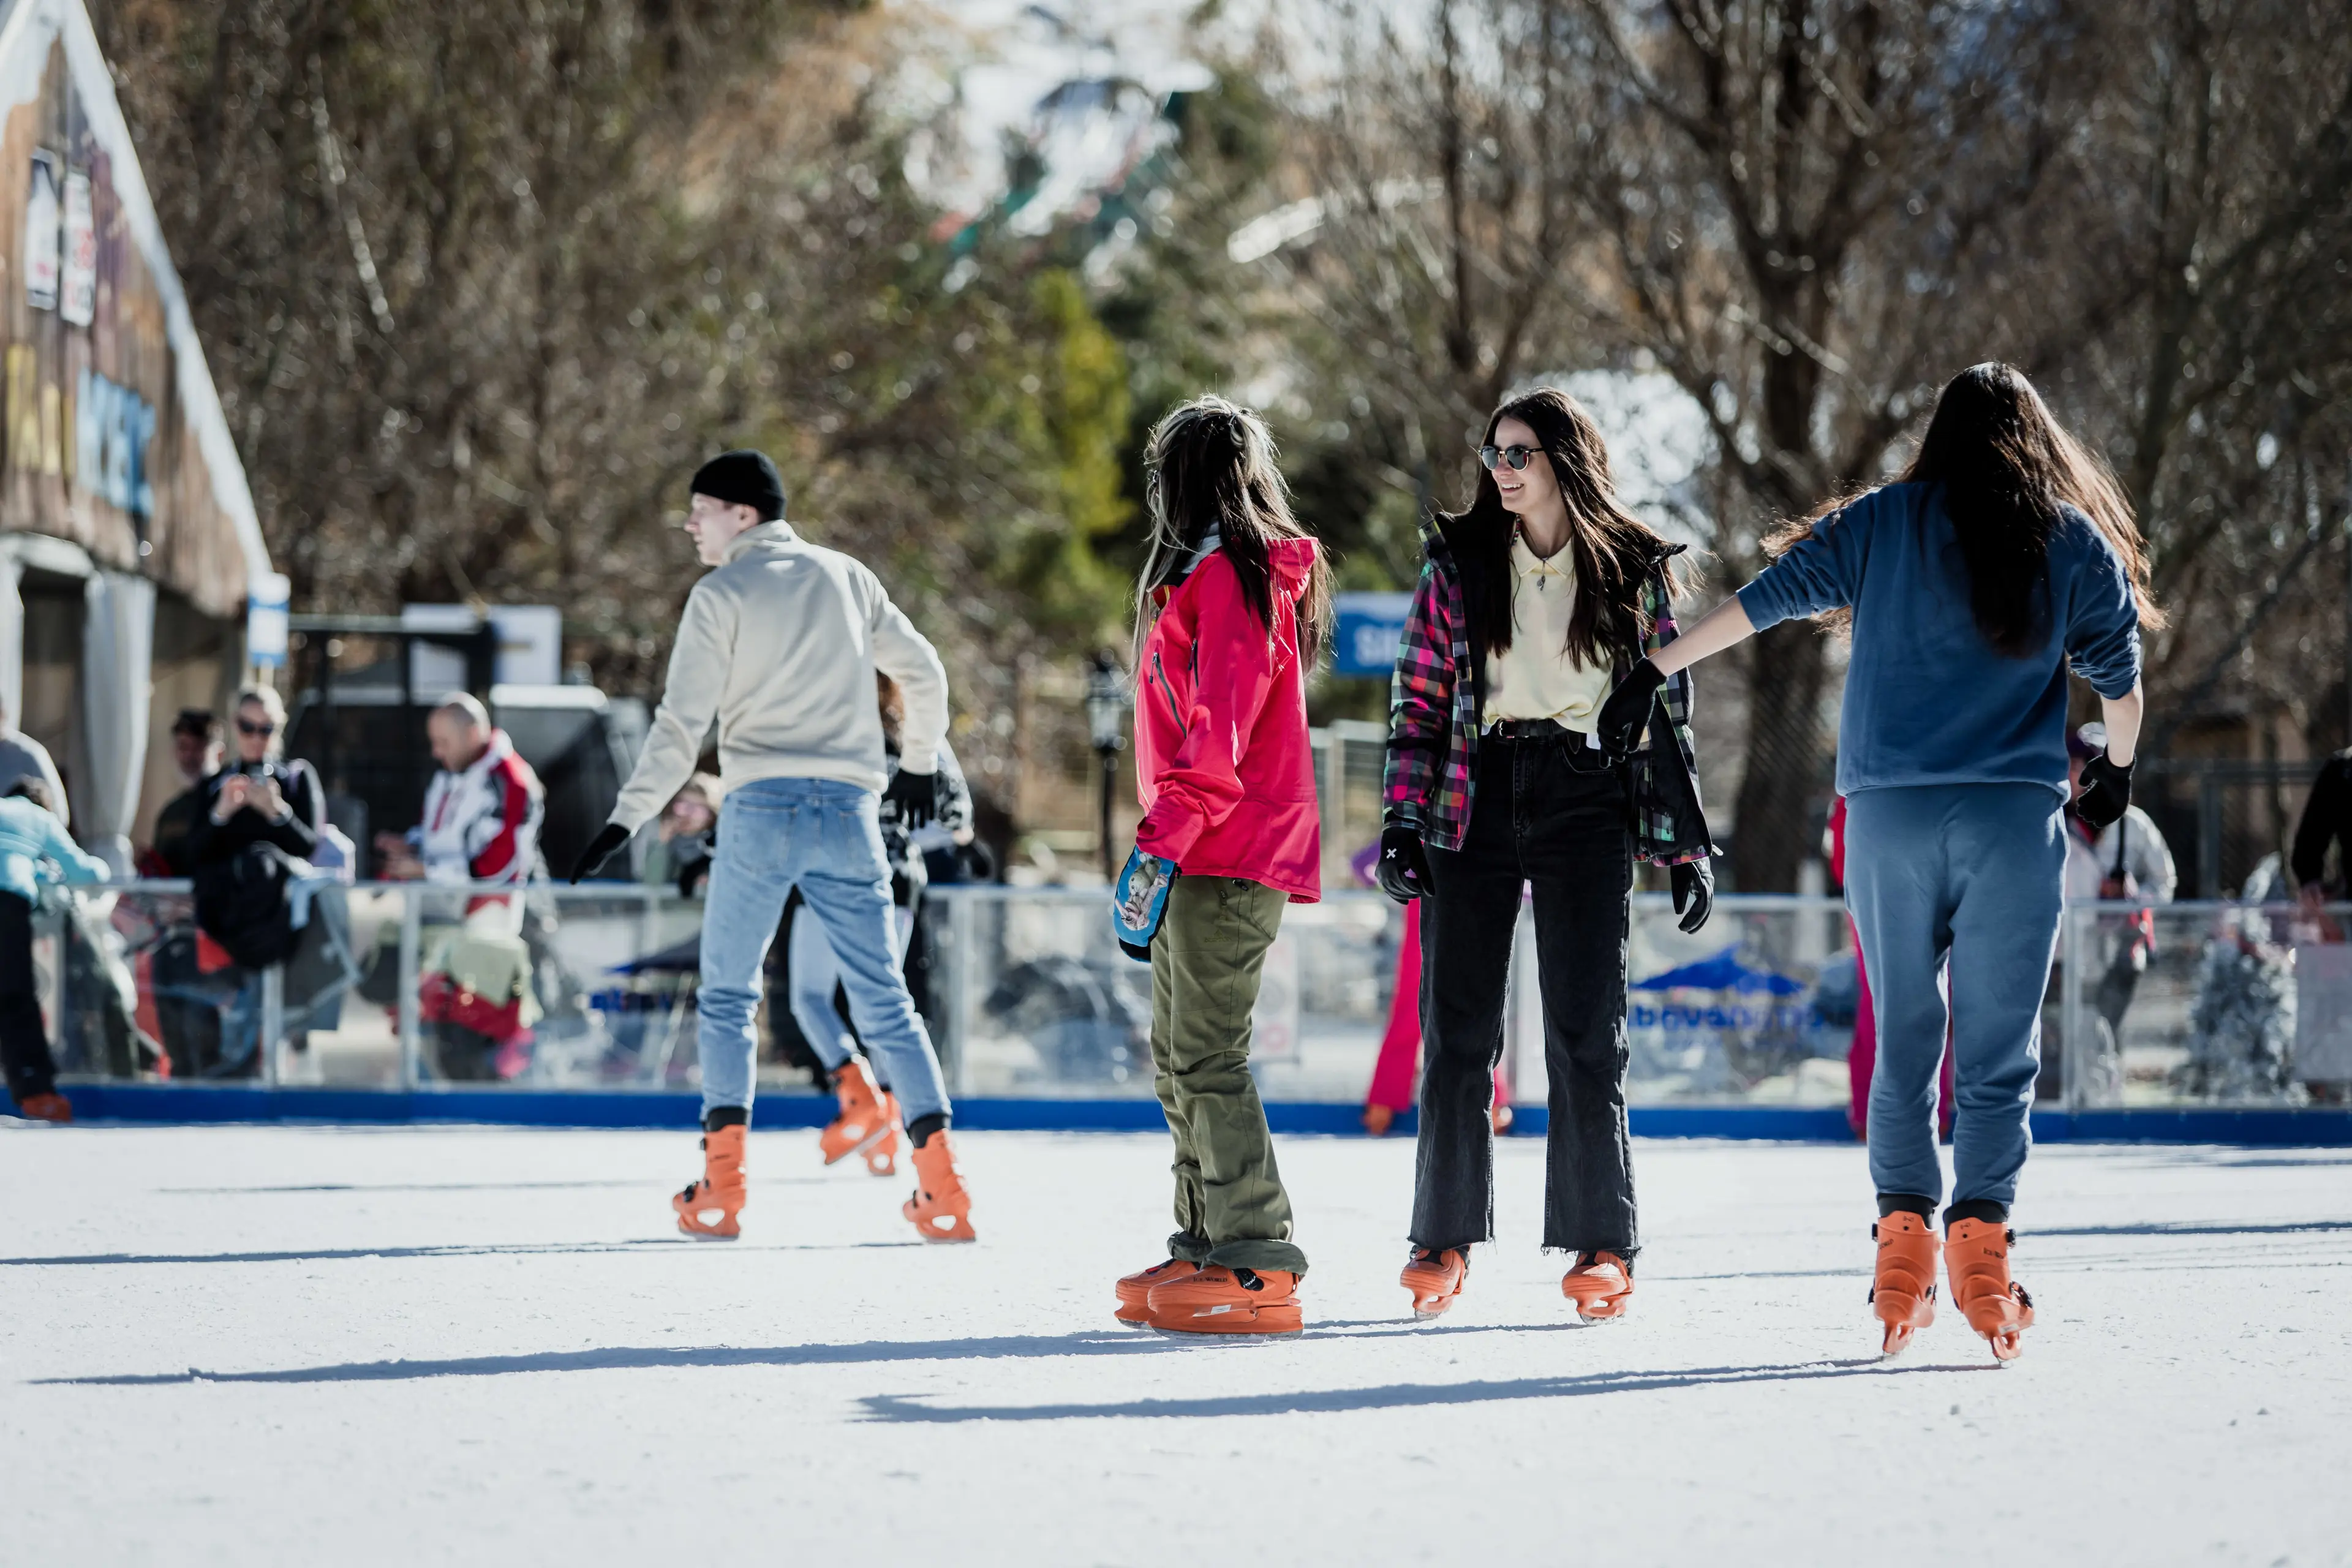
[277,1345]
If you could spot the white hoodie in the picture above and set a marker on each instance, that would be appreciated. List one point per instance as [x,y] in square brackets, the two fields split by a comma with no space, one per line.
[779,645]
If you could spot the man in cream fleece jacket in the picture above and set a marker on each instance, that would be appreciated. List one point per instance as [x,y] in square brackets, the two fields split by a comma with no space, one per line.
[779,644]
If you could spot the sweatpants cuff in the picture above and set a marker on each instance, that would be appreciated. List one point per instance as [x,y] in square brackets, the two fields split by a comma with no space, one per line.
[1186,1248]
[1259,1256]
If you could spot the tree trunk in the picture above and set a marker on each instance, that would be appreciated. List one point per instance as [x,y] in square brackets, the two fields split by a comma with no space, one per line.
[1771,833]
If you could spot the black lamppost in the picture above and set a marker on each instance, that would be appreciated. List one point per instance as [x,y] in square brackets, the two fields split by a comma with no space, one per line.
[1105,712]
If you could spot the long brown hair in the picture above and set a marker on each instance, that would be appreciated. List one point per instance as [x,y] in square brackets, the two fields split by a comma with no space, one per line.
[2008,467]
[1211,466]
[1612,549]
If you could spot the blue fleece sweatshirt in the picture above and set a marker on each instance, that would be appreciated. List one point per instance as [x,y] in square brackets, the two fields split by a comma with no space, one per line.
[1928,700]
[35,848]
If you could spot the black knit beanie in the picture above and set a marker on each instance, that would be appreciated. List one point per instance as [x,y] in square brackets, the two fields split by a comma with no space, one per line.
[742,478]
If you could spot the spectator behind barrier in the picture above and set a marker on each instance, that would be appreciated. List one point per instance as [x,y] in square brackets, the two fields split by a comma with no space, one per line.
[680,857]
[482,816]
[2326,820]
[260,826]
[196,753]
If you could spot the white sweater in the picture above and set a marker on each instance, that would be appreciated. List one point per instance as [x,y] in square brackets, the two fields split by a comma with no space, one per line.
[779,645]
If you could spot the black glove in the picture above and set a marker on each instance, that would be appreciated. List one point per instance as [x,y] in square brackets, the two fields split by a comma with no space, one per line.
[1403,871]
[1693,892]
[917,797]
[1627,712]
[600,849]
[2107,791]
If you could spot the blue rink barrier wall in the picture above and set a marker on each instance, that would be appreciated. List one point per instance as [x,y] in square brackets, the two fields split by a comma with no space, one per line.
[179,1105]
[2204,1022]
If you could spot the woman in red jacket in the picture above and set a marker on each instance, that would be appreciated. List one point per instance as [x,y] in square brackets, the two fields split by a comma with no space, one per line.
[1230,613]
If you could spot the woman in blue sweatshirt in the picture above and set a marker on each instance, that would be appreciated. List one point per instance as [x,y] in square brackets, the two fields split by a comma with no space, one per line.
[2005,555]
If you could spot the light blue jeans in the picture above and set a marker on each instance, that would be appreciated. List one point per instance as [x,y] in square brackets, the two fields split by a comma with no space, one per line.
[825,837]
[1956,888]
[815,971]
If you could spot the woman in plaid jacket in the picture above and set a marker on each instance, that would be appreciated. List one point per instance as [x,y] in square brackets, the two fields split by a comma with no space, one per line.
[1533,604]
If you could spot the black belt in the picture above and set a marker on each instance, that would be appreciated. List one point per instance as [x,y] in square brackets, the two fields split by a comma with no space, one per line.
[1540,729]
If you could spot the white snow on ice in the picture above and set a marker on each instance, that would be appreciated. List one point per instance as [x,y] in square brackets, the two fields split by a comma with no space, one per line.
[262,1345]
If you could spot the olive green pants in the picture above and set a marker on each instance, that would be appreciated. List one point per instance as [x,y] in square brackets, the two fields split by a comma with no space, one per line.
[1230,1206]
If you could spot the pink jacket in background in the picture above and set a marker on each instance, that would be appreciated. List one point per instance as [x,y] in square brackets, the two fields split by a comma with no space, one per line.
[1223,764]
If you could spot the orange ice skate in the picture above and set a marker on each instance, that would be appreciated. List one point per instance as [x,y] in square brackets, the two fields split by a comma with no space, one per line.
[1219,1301]
[720,1192]
[1378,1119]
[1976,1260]
[1601,1284]
[941,1207]
[1903,1291]
[50,1107]
[867,1123]
[1135,1290]
[1435,1278]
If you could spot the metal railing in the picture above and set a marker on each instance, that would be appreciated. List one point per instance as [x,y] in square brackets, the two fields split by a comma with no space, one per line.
[2195,1004]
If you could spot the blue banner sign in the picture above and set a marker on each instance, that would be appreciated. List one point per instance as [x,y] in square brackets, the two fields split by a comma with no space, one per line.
[1368,626]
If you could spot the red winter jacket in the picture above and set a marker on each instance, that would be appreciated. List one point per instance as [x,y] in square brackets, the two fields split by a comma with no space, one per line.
[1223,763]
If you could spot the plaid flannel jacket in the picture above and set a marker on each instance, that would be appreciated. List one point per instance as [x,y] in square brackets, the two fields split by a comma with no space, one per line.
[1433,752]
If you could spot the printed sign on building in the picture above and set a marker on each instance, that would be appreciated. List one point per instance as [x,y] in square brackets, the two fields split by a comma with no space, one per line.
[42,204]
[78,298]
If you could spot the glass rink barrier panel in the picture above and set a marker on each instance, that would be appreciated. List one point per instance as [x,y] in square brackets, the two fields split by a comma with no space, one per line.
[1756,1008]
[2205,1004]
[384,985]
[406,986]
[550,986]
[1043,1003]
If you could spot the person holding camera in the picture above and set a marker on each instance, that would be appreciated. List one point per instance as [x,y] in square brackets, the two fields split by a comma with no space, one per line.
[260,797]
[261,812]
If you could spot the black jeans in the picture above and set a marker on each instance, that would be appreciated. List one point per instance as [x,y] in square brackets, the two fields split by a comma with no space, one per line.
[24,1041]
[1554,817]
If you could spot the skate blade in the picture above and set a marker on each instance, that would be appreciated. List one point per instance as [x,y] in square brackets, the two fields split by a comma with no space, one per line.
[878,1135]
[691,1233]
[1250,1334]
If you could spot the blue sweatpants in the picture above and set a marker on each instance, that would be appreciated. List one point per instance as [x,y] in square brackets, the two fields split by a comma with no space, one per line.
[1955,888]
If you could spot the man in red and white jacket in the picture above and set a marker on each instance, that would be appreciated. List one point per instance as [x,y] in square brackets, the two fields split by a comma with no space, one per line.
[483,810]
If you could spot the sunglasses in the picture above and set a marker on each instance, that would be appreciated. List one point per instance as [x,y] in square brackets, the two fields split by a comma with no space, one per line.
[262,730]
[1495,457]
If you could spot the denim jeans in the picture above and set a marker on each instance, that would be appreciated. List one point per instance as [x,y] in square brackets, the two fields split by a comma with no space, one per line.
[1958,888]
[825,837]
[815,971]
[1554,817]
